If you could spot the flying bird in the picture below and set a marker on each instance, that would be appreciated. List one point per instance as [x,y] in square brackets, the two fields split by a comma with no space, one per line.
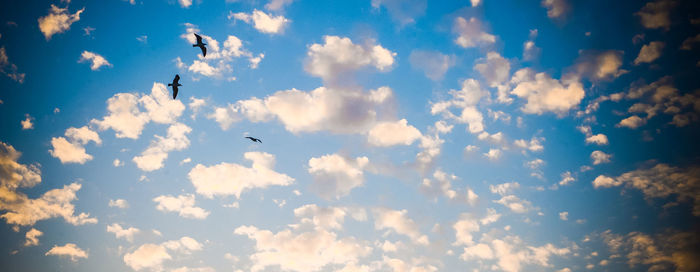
[254,139]
[175,84]
[200,45]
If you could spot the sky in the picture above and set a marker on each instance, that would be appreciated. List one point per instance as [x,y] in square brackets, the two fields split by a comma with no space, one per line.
[415,135]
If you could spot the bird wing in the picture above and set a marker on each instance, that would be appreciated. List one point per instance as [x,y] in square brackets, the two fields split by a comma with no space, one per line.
[174,91]
[204,50]
[199,38]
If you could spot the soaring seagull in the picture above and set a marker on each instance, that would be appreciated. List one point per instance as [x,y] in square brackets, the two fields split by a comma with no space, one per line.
[175,84]
[253,139]
[200,45]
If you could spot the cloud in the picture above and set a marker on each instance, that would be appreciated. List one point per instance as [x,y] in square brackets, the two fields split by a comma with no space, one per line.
[656,14]
[185,3]
[534,145]
[393,133]
[263,22]
[23,211]
[403,12]
[32,237]
[152,158]
[27,122]
[530,50]
[127,119]
[339,57]
[566,178]
[277,5]
[233,179]
[493,154]
[10,69]
[599,139]
[182,204]
[464,227]
[515,204]
[632,122]
[121,232]
[335,176]
[73,150]
[690,42]
[546,94]
[398,265]
[57,21]
[495,69]
[599,157]
[511,253]
[556,9]
[69,250]
[660,181]
[327,217]
[597,65]
[151,256]
[434,64]
[118,203]
[97,60]
[465,100]
[399,222]
[441,185]
[470,33]
[649,52]
[564,216]
[219,60]
[504,189]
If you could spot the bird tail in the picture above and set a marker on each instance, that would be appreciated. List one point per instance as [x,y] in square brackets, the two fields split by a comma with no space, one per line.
[194,45]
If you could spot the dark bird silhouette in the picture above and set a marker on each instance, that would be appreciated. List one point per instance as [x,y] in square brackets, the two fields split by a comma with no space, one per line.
[175,84]
[254,139]
[200,45]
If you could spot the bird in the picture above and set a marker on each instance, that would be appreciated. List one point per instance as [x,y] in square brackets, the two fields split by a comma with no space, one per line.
[200,45]
[175,84]
[253,139]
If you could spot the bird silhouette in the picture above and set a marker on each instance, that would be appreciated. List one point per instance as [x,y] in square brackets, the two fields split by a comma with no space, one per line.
[200,45]
[175,84]
[253,139]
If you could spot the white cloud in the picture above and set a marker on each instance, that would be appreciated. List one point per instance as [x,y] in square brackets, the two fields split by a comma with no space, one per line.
[632,122]
[338,57]
[466,100]
[556,9]
[464,227]
[335,176]
[117,163]
[511,253]
[277,5]
[73,150]
[9,69]
[185,3]
[32,237]
[27,122]
[470,33]
[495,69]
[263,22]
[564,216]
[118,203]
[530,50]
[399,222]
[68,250]
[649,52]
[493,154]
[96,60]
[24,211]
[393,133]
[402,11]
[600,157]
[152,158]
[121,232]
[434,64]
[152,256]
[219,60]
[441,185]
[599,139]
[233,179]
[566,178]
[182,204]
[504,189]
[328,217]
[57,21]
[597,65]
[491,216]
[656,14]
[546,94]
[534,145]
[398,265]
[515,204]
[605,181]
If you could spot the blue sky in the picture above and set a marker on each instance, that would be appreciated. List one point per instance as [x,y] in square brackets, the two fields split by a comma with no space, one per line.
[396,136]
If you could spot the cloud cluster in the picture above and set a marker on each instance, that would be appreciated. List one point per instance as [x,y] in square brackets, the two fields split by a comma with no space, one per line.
[546,94]
[470,33]
[182,204]
[152,158]
[338,57]
[403,12]
[658,97]
[71,149]
[441,185]
[57,21]
[69,250]
[152,256]
[399,222]
[96,60]
[263,22]
[10,69]
[335,176]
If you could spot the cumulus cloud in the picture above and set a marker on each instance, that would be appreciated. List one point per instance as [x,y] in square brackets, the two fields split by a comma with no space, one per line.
[546,94]
[434,64]
[126,117]
[465,100]
[403,12]
[27,122]
[57,21]
[10,69]
[597,65]
[152,158]
[464,227]
[338,57]
[393,133]
[96,60]
[495,69]
[511,253]
[649,52]
[328,217]
[263,22]
[599,139]
[233,179]
[335,176]
[600,157]
[32,237]
[515,204]
[182,204]
[530,50]
[277,5]
[152,256]
[556,9]
[441,185]
[399,222]
[632,122]
[118,203]
[493,154]
[534,145]
[661,96]
[656,14]
[120,232]
[504,189]
[566,178]
[69,250]
[185,3]
[72,150]
[470,33]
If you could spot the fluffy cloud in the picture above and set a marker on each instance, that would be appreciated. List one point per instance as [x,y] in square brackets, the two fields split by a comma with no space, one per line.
[403,12]
[669,250]
[661,97]
[393,133]
[57,21]
[546,94]
[328,217]
[152,158]
[649,52]
[96,60]
[464,228]
[335,176]
[564,216]
[660,181]
[465,100]
[121,232]
[511,253]
[599,139]
[127,119]
[534,145]
[690,42]
[504,189]
[600,157]
[339,56]
[32,237]
[182,204]
[185,3]
[263,22]
[597,65]
[515,204]
[233,179]
[656,14]
[632,122]
[68,250]
[152,256]
[495,69]
[399,222]
[118,203]
[530,50]
[434,64]
[277,5]
[470,33]
[72,150]
[493,154]
[9,69]
[441,185]
[556,9]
